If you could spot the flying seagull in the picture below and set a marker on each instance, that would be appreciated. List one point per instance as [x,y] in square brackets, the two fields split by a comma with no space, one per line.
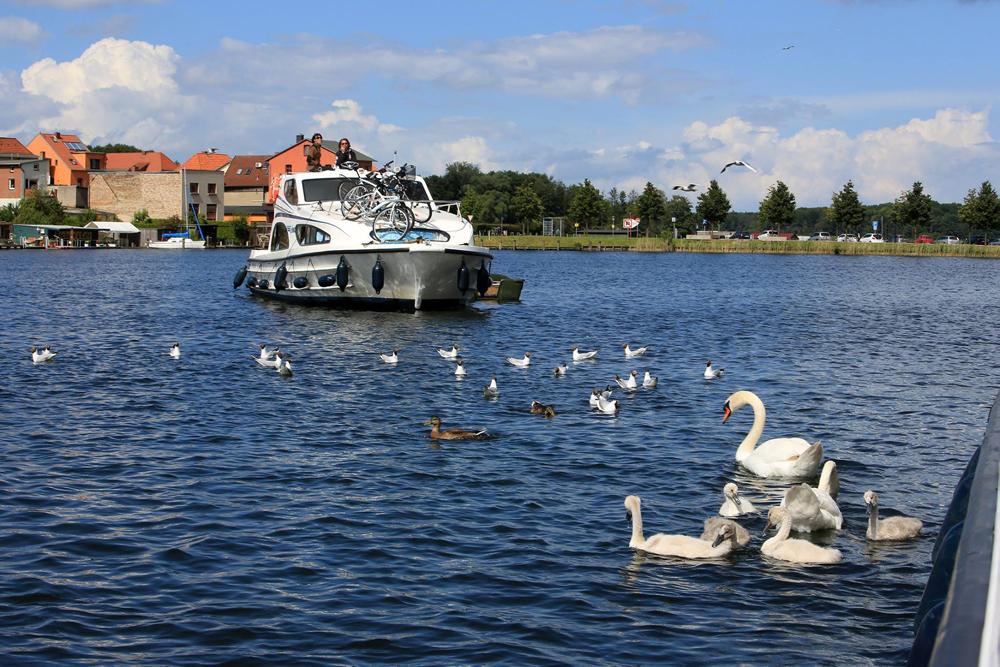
[786,48]
[690,187]
[738,163]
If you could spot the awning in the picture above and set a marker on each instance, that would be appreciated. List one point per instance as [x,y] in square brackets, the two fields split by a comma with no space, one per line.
[113,227]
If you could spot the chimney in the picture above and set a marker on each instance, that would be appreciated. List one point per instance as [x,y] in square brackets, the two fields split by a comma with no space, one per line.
[299,138]
[144,153]
[58,136]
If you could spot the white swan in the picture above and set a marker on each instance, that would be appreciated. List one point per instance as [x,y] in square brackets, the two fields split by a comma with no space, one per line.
[628,383]
[794,551]
[561,370]
[580,356]
[39,356]
[175,350]
[712,373]
[459,369]
[267,354]
[677,545]
[815,509]
[606,406]
[892,528]
[779,457]
[491,389]
[389,358]
[637,352]
[714,523]
[734,504]
[449,354]
[526,361]
[650,382]
[284,366]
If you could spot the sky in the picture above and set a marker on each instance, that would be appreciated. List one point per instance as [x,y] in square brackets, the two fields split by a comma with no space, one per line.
[881,92]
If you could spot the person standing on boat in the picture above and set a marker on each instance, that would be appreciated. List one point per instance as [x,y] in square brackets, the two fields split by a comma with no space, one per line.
[315,153]
[346,153]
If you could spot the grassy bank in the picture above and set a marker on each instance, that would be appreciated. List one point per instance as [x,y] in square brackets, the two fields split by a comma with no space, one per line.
[596,243]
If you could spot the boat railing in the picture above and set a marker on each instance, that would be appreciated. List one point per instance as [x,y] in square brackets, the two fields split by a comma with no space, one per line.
[958,621]
[449,206]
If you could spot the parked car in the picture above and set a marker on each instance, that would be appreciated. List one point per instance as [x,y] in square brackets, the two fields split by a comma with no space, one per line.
[994,242]
[977,240]
[948,240]
[740,235]
[872,238]
[820,236]
[848,238]
[925,238]
[768,234]
[899,238]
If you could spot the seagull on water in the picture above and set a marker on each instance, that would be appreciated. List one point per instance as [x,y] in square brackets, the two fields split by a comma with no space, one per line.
[45,354]
[491,389]
[561,370]
[526,361]
[284,366]
[580,356]
[595,398]
[628,383]
[389,358]
[449,354]
[690,187]
[175,350]
[637,352]
[738,163]
[649,382]
[608,407]
[460,369]
[273,362]
[266,354]
[712,373]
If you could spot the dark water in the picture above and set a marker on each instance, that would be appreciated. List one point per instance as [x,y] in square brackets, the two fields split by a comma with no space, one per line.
[204,510]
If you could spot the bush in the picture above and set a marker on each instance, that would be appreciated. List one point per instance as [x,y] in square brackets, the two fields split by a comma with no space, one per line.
[9,212]
[241,228]
[140,217]
[39,208]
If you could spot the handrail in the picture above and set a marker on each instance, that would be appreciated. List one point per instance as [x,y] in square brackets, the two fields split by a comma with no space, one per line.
[969,632]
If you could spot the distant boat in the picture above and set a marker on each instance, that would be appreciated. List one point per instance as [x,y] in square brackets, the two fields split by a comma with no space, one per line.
[180,241]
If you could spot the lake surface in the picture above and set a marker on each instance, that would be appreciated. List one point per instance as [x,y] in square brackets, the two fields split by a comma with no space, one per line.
[205,510]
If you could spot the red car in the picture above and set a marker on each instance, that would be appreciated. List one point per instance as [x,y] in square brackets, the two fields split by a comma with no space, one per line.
[924,238]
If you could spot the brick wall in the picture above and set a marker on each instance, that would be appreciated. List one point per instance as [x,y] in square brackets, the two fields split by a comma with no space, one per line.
[124,193]
[11,174]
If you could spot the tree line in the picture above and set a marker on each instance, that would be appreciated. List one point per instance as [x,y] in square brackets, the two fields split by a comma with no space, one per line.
[518,202]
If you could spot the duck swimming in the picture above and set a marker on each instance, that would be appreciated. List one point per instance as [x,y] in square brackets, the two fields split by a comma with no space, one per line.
[451,433]
[539,409]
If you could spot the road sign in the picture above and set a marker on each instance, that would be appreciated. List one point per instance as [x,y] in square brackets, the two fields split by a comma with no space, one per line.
[874,224]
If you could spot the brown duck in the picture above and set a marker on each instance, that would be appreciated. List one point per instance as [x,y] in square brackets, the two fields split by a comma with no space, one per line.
[539,409]
[451,433]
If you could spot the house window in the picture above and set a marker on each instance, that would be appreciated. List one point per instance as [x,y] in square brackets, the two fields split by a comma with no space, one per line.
[13,185]
[95,163]
[36,166]
[212,188]
[193,188]
[79,182]
[212,208]
[239,171]
[197,209]
[249,169]
[288,168]
[12,170]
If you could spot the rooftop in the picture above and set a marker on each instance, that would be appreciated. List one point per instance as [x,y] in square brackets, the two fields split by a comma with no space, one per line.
[243,172]
[11,146]
[207,161]
[143,161]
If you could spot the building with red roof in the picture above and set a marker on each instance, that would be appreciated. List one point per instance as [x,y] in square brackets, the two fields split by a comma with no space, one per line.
[246,187]
[142,161]
[70,159]
[20,171]
[210,160]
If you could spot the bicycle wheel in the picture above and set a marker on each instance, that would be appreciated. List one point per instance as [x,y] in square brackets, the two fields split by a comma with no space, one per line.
[357,203]
[421,210]
[394,221]
[347,185]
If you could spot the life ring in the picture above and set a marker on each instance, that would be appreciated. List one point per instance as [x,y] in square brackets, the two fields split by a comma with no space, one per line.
[274,190]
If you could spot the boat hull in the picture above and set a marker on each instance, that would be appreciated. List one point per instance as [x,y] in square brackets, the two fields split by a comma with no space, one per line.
[416,277]
[179,244]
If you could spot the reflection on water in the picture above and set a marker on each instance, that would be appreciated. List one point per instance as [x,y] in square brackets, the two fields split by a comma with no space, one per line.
[203,509]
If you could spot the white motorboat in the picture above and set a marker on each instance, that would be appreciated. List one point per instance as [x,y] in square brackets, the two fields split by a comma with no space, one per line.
[181,241]
[316,255]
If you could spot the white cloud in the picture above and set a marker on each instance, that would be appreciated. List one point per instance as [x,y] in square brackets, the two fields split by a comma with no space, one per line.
[466,149]
[19,31]
[348,112]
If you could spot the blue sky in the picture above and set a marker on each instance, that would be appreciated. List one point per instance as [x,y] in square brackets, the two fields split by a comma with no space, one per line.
[883,92]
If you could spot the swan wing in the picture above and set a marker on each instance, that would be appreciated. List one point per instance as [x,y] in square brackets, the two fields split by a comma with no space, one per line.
[785,457]
[811,509]
[714,523]
[801,551]
[682,546]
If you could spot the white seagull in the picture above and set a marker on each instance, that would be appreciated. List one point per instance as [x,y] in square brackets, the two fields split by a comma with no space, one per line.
[637,352]
[787,48]
[491,389]
[449,354]
[712,373]
[45,354]
[274,362]
[389,358]
[607,407]
[526,361]
[595,398]
[738,163]
[580,356]
[561,370]
[460,369]
[267,354]
[175,350]
[690,187]
[284,366]
[628,383]
[650,382]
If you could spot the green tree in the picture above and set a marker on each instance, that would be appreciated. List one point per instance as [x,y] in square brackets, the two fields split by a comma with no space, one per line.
[87,215]
[778,207]
[846,211]
[587,207]
[981,210]
[713,204]
[913,208]
[651,208]
[241,228]
[969,212]
[678,208]
[470,203]
[39,208]
[528,209]
[115,148]
[9,212]
[140,217]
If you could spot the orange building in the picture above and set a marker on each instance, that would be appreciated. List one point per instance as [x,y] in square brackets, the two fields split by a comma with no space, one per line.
[69,158]
[208,161]
[142,161]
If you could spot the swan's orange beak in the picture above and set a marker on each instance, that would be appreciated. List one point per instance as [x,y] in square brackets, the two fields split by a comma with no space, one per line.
[725,413]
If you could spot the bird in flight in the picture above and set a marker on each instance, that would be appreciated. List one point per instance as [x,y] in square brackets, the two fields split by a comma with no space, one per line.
[786,48]
[738,163]
[690,187]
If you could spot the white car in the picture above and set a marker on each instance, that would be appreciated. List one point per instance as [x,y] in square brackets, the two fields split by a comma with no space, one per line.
[768,234]
[872,238]
[948,240]
[848,238]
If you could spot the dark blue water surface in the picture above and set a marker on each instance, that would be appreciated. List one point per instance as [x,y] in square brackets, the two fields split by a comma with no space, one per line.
[205,510]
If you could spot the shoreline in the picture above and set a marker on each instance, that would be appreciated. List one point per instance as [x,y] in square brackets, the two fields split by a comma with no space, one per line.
[625,244]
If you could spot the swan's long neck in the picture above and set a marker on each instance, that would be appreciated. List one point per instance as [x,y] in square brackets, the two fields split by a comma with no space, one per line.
[749,442]
[637,537]
[783,531]
[873,521]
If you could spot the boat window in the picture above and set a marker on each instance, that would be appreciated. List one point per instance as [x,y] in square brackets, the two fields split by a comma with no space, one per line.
[309,235]
[322,189]
[279,237]
[416,191]
[291,194]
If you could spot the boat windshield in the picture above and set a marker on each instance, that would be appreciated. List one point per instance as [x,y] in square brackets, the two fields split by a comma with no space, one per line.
[322,189]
